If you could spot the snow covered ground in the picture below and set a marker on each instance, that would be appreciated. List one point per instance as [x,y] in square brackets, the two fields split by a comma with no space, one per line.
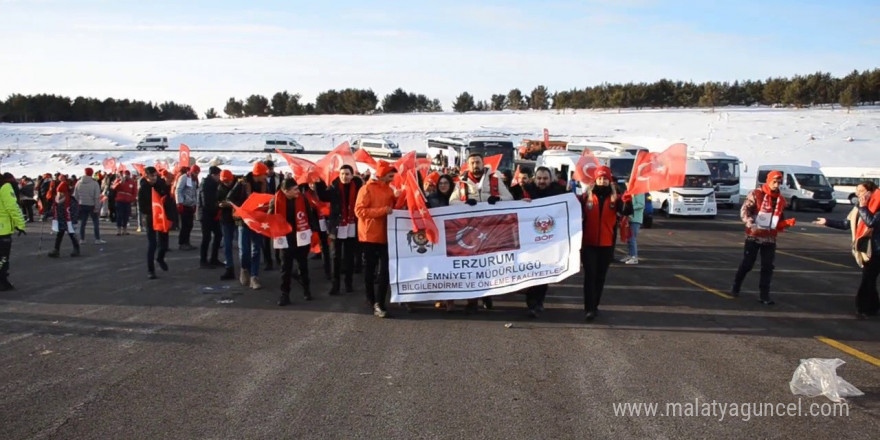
[756,135]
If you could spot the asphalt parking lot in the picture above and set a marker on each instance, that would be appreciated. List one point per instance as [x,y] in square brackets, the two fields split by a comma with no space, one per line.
[91,349]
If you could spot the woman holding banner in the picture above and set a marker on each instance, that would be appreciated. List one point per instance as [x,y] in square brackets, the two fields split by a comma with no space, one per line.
[602,207]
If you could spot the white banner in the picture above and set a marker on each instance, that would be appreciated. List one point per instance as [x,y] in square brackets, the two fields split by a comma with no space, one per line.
[485,249]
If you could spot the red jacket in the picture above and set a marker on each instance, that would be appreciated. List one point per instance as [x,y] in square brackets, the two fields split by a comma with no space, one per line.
[599,221]
[126,190]
[371,209]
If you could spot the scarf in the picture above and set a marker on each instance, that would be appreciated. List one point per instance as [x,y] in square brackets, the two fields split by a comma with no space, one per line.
[347,203]
[493,185]
[768,215]
[299,206]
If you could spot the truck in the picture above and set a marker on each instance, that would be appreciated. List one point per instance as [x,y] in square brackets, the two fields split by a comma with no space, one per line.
[696,197]
[724,170]
[530,149]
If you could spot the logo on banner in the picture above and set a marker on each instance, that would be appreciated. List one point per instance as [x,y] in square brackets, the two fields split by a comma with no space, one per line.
[544,225]
[418,242]
[482,235]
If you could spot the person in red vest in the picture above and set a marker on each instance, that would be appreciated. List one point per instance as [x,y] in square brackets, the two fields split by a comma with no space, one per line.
[296,210]
[602,208]
[763,213]
[126,193]
[374,203]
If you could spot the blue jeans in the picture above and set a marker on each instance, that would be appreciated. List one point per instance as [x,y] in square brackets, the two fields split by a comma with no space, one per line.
[228,236]
[85,212]
[631,244]
[249,245]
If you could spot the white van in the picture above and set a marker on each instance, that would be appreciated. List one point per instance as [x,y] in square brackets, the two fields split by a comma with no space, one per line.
[159,143]
[695,198]
[802,186]
[377,147]
[285,145]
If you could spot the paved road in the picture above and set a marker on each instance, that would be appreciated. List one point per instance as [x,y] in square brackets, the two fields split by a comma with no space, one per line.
[90,349]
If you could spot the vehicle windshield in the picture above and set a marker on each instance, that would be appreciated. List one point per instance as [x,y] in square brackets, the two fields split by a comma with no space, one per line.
[725,172]
[491,148]
[814,180]
[697,182]
[621,168]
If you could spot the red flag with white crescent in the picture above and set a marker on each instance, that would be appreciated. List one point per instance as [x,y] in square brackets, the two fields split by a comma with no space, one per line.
[161,222]
[183,156]
[304,171]
[656,171]
[328,166]
[263,223]
[585,169]
[418,209]
[257,202]
[546,139]
[493,162]
[363,157]
[482,235]
[109,164]
[405,163]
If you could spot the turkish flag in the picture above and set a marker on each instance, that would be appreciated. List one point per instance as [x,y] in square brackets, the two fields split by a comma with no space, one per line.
[404,164]
[160,220]
[363,157]
[482,235]
[257,202]
[418,209]
[270,225]
[585,169]
[161,165]
[492,162]
[109,164]
[183,157]
[304,171]
[546,139]
[121,168]
[517,177]
[328,166]
[658,171]
[862,229]
[139,167]
[423,164]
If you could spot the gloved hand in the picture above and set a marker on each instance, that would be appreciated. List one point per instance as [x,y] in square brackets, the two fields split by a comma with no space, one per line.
[180,208]
[494,199]
[471,202]
[20,232]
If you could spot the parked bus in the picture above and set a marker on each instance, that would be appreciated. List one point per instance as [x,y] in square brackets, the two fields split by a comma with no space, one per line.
[724,170]
[456,150]
[844,180]
[695,198]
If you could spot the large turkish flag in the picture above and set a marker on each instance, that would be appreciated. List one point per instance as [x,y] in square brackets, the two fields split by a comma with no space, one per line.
[481,235]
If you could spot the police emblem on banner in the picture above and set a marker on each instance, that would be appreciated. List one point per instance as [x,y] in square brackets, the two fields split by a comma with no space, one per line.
[418,241]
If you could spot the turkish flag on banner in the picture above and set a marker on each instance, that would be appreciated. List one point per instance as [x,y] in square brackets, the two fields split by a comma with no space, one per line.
[139,167]
[657,171]
[404,164]
[546,139]
[328,166]
[183,156]
[492,162]
[363,157]
[585,169]
[270,225]
[481,235]
[257,202]
[160,220]
[304,171]
[109,164]
[418,209]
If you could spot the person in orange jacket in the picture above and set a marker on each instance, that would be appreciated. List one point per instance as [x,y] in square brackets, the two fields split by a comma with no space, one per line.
[374,202]
[602,206]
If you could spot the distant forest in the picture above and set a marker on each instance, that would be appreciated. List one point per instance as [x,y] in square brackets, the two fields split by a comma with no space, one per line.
[820,88]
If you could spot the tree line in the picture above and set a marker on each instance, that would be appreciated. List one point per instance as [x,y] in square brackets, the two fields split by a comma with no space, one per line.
[51,108]
[799,91]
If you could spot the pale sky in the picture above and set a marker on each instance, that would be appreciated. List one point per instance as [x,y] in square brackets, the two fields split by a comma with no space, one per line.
[203,52]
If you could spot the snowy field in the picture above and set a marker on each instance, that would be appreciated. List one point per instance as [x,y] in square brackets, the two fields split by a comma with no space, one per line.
[756,135]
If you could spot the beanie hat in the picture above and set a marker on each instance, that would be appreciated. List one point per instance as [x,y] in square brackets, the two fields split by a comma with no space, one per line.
[260,169]
[195,169]
[603,171]
[773,175]
[214,170]
[384,168]
[226,176]
[89,171]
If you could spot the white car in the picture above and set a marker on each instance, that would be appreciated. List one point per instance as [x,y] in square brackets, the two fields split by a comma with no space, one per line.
[284,145]
[158,143]
[377,147]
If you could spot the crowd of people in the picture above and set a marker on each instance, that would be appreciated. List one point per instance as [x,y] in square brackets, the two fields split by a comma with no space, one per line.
[344,223]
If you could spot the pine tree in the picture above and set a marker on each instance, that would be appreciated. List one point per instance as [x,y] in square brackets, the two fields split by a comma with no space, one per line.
[848,97]
[539,99]
[710,96]
[234,108]
[464,103]
[498,102]
[514,100]
[256,105]
[211,114]
[279,103]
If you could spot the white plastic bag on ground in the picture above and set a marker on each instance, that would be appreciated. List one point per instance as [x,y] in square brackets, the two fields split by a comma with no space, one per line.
[818,377]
